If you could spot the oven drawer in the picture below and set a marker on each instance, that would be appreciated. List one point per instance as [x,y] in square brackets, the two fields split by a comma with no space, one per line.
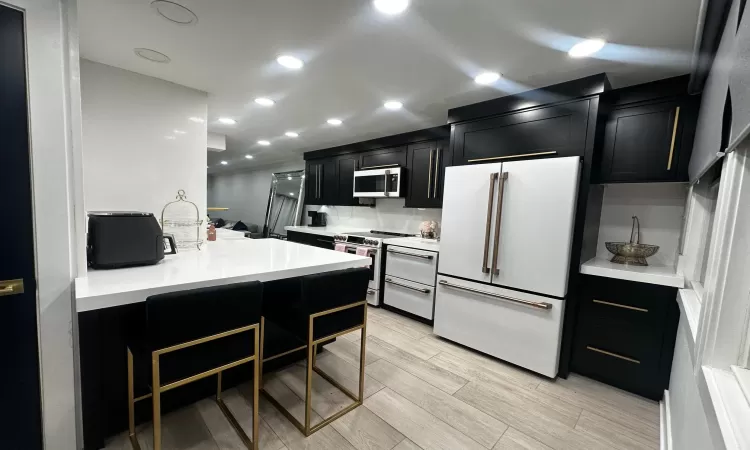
[415,265]
[415,298]
[518,327]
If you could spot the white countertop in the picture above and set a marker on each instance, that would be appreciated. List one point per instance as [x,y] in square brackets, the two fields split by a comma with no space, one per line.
[654,274]
[418,243]
[325,231]
[219,262]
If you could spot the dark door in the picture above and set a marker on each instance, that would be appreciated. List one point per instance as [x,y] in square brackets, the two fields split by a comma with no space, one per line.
[329,183]
[552,131]
[347,164]
[421,162]
[313,187]
[21,426]
[643,143]
[385,157]
[445,159]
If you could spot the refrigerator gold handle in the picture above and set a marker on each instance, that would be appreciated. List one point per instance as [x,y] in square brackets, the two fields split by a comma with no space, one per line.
[437,172]
[488,228]
[674,137]
[429,176]
[502,177]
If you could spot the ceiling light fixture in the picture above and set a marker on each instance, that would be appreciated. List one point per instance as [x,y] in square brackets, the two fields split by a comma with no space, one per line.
[290,62]
[227,120]
[174,12]
[291,134]
[391,7]
[335,122]
[487,78]
[197,120]
[264,101]
[152,55]
[264,142]
[393,105]
[291,193]
[586,48]
[249,156]
[224,163]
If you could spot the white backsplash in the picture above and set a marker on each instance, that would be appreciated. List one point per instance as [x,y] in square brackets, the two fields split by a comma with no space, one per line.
[388,214]
[659,207]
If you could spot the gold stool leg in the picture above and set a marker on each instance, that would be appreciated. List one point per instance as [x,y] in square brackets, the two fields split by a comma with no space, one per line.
[256,391]
[308,383]
[156,400]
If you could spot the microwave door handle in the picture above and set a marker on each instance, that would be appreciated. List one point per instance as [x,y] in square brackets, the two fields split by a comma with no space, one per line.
[387,174]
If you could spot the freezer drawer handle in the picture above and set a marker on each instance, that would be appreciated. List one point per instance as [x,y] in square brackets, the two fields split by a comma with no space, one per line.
[410,254]
[495,250]
[537,305]
[488,227]
[422,290]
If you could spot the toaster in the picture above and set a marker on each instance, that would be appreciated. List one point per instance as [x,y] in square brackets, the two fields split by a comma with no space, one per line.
[125,239]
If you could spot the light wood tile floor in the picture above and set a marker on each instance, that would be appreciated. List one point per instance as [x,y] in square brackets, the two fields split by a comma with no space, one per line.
[422,392]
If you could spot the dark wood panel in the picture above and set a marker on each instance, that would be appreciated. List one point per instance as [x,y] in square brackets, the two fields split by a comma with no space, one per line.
[396,140]
[346,165]
[330,182]
[421,165]
[558,93]
[384,157]
[556,131]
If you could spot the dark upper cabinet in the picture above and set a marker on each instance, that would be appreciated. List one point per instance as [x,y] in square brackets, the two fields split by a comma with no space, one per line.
[321,182]
[383,157]
[648,142]
[346,165]
[426,163]
[558,130]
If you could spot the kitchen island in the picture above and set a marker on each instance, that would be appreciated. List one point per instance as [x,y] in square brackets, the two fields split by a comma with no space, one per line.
[111,303]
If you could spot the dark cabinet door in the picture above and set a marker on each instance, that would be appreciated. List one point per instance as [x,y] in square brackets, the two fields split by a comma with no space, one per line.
[346,165]
[329,182]
[647,143]
[384,157]
[420,162]
[312,183]
[444,155]
[552,131]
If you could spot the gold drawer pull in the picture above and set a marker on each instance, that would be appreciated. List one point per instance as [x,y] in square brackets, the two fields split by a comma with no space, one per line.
[674,137]
[617,305]
[604,352]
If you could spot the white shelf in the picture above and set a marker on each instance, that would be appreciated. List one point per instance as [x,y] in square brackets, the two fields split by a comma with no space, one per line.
[653,274]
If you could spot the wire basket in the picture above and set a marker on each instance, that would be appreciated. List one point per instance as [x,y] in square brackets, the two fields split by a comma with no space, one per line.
[181,219]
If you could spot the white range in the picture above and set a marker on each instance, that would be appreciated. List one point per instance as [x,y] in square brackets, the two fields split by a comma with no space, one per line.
[505,257]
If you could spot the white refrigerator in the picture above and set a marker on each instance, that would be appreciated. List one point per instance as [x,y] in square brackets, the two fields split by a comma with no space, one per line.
[505,245]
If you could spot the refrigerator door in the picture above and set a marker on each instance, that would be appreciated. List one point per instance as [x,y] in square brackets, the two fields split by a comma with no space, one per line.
[469,200]
[536,225]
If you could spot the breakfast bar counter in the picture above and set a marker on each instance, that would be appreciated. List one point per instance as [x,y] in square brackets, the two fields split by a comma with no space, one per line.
[112,303]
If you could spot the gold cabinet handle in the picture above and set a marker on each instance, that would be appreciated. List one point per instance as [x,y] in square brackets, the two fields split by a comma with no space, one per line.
[502,177]
[11,287]
[437,173]
[674,137]
[488,228]
[614,355]
[618,305]
[429,176]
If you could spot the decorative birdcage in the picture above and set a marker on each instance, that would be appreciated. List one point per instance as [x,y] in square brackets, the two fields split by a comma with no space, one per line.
[181,219]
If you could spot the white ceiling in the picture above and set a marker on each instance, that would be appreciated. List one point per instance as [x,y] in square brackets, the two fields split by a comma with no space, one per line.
[356,58]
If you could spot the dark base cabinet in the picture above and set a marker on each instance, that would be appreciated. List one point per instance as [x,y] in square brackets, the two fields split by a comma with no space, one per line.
[314,240]
[625,334]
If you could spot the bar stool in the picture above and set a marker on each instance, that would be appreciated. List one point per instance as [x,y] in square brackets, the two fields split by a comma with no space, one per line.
[214,329]
[317,309]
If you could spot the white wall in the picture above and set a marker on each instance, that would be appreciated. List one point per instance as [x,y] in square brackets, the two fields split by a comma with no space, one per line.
[245,193]
[53,115]
[129,160]
[659,207]
[388,214]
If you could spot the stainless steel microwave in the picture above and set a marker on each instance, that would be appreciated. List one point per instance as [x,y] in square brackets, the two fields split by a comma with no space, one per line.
[382,182]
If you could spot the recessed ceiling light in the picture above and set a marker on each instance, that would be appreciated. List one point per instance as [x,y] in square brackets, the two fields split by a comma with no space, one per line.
[152,55]
[393,105]
[179,132]
[227,120]
[487,77]
[290,62]
[291,134]
[263,142]
[249,156]
[289,178]
[264,101]
[335,122]
[586,48]
[224,163]
[291,193]
[174,12]
[391,7]
[197,119]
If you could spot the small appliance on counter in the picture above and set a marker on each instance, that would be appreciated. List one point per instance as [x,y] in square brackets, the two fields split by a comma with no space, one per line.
[380,182]
[317,219]
[125,239]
